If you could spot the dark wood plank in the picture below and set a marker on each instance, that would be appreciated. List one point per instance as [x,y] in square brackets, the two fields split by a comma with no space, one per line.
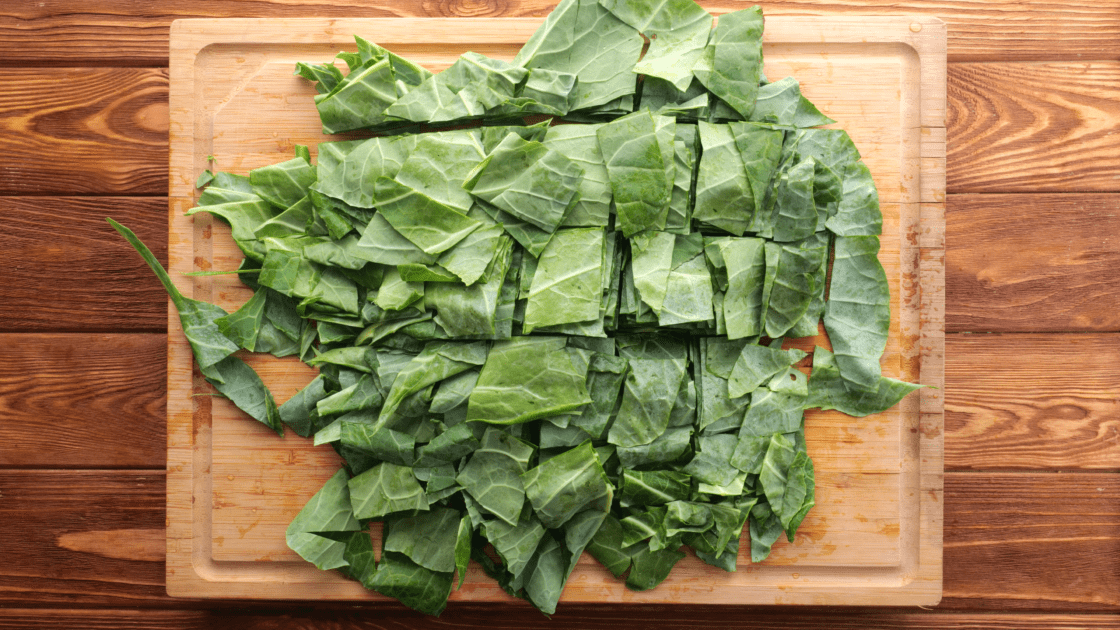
[66,268]
[1033,127]
[1032,402]
[110,32]
[82,537]
[83,401]
[606,617]
[1027,541]
[1054,268]
[83,130]
[1032,541]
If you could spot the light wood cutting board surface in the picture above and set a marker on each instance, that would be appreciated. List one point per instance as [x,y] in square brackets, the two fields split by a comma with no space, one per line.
[233,486]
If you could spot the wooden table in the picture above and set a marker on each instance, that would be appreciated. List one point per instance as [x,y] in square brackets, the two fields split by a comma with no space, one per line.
[1032,431]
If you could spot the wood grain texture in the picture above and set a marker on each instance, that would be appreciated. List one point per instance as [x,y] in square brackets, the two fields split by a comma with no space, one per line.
[1052,540]
[83,401]
[83,130]
[135,33]
[1033,401]
[1034,127]
[1037,542]
[41,509]
[91,280]
[1054,268]
[604,617]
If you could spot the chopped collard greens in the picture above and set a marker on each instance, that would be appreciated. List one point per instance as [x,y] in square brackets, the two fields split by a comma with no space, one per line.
[542,336]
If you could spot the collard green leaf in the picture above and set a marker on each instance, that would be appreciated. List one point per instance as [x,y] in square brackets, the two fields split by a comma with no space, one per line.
[649,393]
[525,379]
[328,510]
[352,179]
[297,411]
[795,211]
[671,446]
[757,365]
[656,487]
[234,379]
[652,567]
[640,180]
[582,38]
[781,103]
[492,476]
[283,184]
[858,314]
[515,544]
[567,286]
[724,197]
[760,149]
[413,585]
[580,144]
[788,288]
[429,224]
[678,31]
[827,390]
[440,163]
[731,63]
[386,489]
[382,243]
[199,319]
[688,292]
[428,538]
[746,269]
[566,484]
[858,213]
[765,530]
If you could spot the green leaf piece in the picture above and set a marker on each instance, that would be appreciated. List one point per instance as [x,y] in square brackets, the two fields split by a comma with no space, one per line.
[731,63]
[858,314]
[566,484]
[328,510]
[641,179]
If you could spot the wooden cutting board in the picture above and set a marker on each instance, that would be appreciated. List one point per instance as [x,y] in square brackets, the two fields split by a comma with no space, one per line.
[874,537]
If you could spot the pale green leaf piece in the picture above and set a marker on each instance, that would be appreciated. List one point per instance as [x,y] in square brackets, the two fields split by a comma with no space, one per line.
[582,38]
[492,476]
[827,390]
[567,286]
[525,379]
[742,302]
[858,213]
[724,197]
[858,314]
[580,144]
[352,180]
[199,319]
[429,224]
[283,184]
[789,286]
[396,293]
[515,544]
[471,257]
[649,393]
[241,384]
[757,365]
[414,586]
[652,258]
[427,538]
[781,103]
[731,64]
[529,181]
[641,181]
[440,163]
[329,510]
[439,360]
[386,489]
[566,484]
[381,243]
[795,211]
[678,31]
[688,293]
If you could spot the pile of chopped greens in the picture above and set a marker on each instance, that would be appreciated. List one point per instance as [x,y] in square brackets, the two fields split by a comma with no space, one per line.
[536,339]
